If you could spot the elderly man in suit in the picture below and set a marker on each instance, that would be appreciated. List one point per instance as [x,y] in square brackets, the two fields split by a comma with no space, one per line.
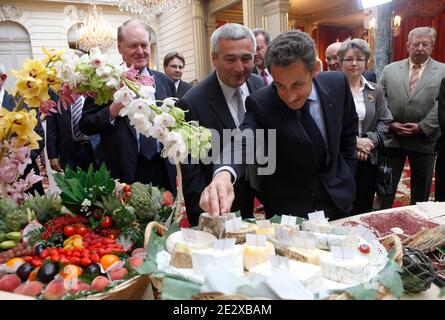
[7,101]
[316,130]
[440,147]
[412,88]
[174,63]
[217,102]
[130,156]
[262,39]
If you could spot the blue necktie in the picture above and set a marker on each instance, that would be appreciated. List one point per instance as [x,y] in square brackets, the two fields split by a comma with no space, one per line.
[314,133]
[147,146]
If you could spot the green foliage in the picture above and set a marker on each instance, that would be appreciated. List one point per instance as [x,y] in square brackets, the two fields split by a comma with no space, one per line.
[390,278]
[146,200]
[109,203]
[77,186]
[7,204]
[45,207]
[362,292]
[177,288]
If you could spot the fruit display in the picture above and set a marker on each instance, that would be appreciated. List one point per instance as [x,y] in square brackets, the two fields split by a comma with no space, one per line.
[86,240]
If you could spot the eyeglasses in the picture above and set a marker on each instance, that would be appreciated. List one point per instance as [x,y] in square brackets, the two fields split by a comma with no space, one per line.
[424,44]
[350,60]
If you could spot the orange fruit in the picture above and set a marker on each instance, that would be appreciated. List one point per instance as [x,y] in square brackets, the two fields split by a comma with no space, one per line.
[71,270]
[107,260]
[11,262]
[33,275]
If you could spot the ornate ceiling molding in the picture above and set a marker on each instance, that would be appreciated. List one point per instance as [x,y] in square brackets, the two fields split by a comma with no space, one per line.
[420,7]
[9,12]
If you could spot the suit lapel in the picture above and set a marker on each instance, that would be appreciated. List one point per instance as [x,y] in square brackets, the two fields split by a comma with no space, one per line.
[369,97]
[8,101]
[219,105]
[252,85]
[327,103]
[404,75]
[427,74]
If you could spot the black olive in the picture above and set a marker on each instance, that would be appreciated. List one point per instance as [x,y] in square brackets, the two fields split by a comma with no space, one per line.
[39,248]
[47,272]
[24,270]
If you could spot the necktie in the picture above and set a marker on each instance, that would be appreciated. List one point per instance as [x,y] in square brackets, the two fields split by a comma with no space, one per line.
[76,114]
[264,75]
[147,146]
[314,133]
[414,77]
[239,99]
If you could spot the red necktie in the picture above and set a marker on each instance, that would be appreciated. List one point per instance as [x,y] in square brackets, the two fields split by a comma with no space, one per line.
[263,74]
[414,78]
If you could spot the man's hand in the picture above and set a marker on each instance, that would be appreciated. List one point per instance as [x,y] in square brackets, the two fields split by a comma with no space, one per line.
[218,196]
[55,164]
[115,108]
[405,129]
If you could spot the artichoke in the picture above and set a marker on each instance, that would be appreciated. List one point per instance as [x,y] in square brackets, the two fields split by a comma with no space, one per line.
[15,220]
[146,200]
[6,205]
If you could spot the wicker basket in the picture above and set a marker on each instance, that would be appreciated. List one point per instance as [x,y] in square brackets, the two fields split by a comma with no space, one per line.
[134,289]
[389,242]
[427,240]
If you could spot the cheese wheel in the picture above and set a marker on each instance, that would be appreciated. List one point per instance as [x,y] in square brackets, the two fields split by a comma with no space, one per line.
[214,225]
[256,255]
[202,240]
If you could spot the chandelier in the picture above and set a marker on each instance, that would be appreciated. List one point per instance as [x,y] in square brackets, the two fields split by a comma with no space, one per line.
[96,32]
[149,8]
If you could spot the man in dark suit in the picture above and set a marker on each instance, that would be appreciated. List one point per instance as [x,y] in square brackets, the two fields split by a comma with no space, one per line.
[7,101]
[174,64]
[217,103]
[316,130]
[64,146]
[130,156]
[262,39]
[440,146]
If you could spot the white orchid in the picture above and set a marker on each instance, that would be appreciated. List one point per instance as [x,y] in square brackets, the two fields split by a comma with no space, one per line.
[160,133]
[124,95]
[174,147]
[137,106]
[147,92]
[168,104]
[141,124]
[165,120]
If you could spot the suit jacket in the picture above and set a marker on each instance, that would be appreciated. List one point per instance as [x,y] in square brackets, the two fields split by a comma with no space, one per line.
[9,103]
[293,188]
[183,87]
[440,146]
[60,143]
[370,76]
[206,103]
[119,145]
[420,107]
[377,118]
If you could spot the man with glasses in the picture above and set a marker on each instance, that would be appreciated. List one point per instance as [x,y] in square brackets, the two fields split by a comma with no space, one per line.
[412,88]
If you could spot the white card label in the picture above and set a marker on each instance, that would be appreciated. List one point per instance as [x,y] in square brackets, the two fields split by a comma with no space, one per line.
[224,244]
[276,261]
[317,216]
[343,253]
[264,224]
[281,233]
[365,233]
[233,225]
[289,221]
[304,243]
[256,240]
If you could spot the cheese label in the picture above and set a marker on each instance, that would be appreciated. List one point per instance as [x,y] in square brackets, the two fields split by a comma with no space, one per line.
[289,221]
[224,244]
[256,240]
[317,217]
[304,243]
[189,234]
[365,233]
[281,233]
[276,261]
[342,253]
[233,225]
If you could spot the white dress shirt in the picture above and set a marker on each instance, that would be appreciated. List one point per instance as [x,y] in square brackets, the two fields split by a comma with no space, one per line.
[2,95]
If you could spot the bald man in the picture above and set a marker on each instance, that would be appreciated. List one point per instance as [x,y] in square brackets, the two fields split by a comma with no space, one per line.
[331,56]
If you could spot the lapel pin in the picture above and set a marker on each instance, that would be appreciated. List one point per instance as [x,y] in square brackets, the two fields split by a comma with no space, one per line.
[370,97]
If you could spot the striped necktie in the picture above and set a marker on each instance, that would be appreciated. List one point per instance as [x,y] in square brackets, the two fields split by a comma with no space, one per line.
[239,100]
[264,75]
[76,114]
[414,78]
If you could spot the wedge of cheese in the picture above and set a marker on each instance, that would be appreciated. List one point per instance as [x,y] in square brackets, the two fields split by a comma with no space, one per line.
[231,259]
[240,235]
[350,271]
[320,227]
[305,255]
[256,255]
[181,256]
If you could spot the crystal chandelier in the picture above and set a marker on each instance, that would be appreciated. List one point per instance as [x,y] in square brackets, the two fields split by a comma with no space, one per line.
[96,32]
[149,8]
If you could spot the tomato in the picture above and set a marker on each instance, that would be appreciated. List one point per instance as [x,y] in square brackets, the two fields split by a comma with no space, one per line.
[64,260]
[69,231]
[97,213]
[106,222]
[94,257]
[84,262]
[75,260]
[81,230]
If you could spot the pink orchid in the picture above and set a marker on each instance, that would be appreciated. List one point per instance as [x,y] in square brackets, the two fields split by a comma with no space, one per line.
[131,73]
[17,190]
[92,95]
[147,80]
[48,107]
[67,95]
[8,172]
